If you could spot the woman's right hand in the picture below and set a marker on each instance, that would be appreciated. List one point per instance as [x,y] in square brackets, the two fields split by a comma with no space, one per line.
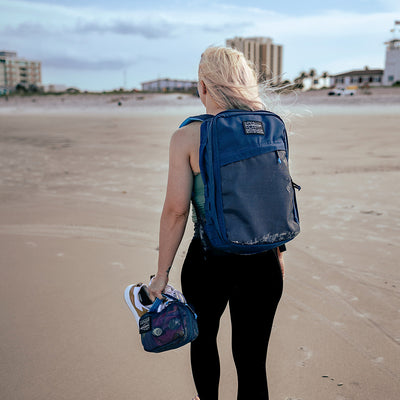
[157,286]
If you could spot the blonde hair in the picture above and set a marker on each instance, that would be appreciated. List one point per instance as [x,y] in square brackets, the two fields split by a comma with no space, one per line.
[230,79]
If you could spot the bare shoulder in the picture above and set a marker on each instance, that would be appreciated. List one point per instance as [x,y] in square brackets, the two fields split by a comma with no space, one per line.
[186,142]
[187,136]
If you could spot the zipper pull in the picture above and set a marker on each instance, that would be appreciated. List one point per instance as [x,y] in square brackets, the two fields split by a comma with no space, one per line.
[277,155]
[296,186]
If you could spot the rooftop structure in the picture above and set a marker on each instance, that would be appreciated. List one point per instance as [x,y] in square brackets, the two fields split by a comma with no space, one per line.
[9,54]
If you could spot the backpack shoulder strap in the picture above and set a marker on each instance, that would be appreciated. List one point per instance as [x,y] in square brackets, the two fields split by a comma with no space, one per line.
[201,118]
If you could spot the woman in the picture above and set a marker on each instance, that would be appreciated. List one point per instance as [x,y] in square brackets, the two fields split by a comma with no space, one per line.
[251,284]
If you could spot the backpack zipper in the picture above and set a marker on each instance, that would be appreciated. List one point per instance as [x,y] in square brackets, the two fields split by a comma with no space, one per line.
[296,186]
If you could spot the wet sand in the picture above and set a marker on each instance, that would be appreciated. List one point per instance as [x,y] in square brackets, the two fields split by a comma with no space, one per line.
[81,189]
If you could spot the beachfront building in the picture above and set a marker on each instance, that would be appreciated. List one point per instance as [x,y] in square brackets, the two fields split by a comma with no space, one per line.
[360,78]
[263,53]
[169,85]
[392,63]
[18,71]
[316,81]
[55,88]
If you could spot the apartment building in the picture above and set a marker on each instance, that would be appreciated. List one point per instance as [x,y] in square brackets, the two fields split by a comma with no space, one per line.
[14,71]
[263,53]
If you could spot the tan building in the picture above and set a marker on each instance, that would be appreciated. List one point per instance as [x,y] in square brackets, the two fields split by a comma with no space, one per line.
[265,55]
[14,71]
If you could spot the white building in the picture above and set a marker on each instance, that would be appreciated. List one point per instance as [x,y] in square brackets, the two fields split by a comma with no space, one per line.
[169,85]
[14,71]
[316,82]
[363,77]
[263,53]
[392,63]
[54,88]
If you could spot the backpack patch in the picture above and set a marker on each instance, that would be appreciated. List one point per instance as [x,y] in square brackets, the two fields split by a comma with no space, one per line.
[253,128]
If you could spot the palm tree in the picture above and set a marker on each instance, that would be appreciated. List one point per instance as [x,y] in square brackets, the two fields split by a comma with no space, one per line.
[299,80]
[311,74]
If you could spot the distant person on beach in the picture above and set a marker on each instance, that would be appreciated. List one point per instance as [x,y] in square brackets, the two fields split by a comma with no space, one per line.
[250,284]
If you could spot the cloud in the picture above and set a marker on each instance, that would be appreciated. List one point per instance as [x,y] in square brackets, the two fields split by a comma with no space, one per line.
[217,19]
[149,30]
[25,29]
[75,63]
[220,28]
[390,5]
[94,36]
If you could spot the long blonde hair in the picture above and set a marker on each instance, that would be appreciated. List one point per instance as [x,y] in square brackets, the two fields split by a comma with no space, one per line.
[230,79]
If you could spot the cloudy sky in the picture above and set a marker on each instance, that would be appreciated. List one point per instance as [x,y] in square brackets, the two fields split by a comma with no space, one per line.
[99,44]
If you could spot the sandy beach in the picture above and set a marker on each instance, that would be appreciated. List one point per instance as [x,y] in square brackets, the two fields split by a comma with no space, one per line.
[82,185]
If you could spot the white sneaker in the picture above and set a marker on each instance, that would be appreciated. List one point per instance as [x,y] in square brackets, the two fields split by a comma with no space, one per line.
[134,297]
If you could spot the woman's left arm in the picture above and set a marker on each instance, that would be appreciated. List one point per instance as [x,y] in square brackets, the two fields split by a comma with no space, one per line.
[176,209]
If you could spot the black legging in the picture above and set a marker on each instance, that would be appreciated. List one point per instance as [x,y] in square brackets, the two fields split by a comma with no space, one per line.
[253,286]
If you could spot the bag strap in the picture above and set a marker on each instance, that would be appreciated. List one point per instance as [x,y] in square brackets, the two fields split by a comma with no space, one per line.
[168,298]
[158,302]
[201,118]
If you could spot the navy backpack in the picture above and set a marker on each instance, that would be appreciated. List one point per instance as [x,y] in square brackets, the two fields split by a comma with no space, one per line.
[250,201]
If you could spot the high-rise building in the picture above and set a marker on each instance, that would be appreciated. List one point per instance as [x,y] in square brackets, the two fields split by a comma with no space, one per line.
[14,71]
[263,53]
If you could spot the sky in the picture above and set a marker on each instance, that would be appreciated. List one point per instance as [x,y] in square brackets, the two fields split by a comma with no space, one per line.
[103,45]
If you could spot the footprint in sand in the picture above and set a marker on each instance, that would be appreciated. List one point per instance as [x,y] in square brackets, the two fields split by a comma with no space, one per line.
[118,264]
[331,380]
[306,355]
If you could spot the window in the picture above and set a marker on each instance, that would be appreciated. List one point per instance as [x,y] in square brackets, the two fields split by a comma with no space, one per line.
[390,78]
